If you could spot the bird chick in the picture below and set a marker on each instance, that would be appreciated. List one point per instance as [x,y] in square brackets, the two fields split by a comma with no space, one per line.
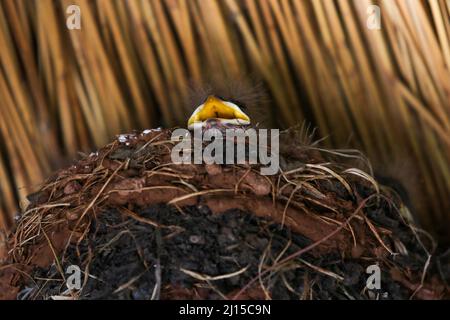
[218,113]
[227,102]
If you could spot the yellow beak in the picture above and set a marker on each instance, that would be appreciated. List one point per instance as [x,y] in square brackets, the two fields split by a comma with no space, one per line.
[215,108]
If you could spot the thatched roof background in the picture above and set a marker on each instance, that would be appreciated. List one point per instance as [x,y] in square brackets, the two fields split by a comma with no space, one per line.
[385,91]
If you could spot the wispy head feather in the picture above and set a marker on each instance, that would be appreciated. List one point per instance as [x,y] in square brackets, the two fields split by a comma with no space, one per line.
[248,93]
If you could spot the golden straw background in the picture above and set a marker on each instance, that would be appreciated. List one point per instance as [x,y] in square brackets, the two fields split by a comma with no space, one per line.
[385,91]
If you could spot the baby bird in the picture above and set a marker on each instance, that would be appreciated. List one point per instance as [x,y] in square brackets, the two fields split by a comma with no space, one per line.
[218,113]
[227,103]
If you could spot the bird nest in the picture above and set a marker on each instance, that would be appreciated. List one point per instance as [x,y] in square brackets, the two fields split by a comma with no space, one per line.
[138,226]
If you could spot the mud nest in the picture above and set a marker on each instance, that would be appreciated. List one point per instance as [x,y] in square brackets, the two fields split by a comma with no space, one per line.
[138,226]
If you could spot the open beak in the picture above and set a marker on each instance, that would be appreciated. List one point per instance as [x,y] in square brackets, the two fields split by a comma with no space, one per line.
[223,111]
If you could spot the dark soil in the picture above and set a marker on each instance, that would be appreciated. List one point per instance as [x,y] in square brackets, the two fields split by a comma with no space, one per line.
[129,259]
[141,227]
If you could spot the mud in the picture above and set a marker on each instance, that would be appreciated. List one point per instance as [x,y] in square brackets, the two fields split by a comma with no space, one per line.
[169,255]
[141,227]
